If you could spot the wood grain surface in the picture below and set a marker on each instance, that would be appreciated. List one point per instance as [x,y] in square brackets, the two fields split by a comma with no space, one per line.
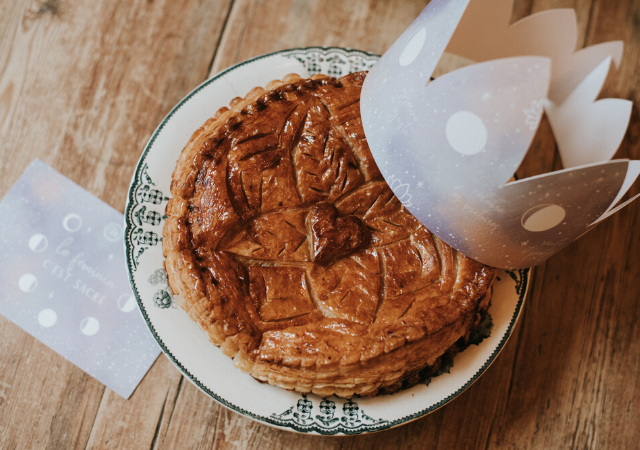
[83,84]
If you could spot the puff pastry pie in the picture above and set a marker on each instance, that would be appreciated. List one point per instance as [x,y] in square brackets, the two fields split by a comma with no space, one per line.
[292,253]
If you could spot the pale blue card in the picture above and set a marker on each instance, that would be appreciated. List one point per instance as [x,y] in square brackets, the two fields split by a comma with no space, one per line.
[64,279]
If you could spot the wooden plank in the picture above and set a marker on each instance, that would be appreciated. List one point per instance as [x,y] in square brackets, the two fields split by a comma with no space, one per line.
[137,422]
[88,83]
[255,28]
[82,86]
[45,401]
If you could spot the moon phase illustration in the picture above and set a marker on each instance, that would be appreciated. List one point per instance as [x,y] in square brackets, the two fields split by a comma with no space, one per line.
[28,282]
[112,232]
[89,326]
[126,303]
[72,222]
[38,243]
[47,318]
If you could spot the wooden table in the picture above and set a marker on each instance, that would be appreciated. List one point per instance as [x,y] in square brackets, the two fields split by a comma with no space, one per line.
[83,84]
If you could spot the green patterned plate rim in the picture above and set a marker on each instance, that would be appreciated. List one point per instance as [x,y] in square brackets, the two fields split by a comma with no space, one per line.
[144,215]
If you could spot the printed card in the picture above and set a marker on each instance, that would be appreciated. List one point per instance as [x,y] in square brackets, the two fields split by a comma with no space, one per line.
[62,268]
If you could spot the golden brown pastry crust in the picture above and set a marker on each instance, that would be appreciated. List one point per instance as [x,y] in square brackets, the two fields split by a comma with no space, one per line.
[293,254]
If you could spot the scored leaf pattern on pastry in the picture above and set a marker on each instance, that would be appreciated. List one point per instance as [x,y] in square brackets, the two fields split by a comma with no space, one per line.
[277,172]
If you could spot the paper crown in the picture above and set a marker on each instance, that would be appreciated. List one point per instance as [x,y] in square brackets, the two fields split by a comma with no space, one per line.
[448,147]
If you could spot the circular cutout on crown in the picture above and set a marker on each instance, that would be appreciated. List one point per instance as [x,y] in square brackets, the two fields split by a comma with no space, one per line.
[466,133]
[413,48]
[543,217]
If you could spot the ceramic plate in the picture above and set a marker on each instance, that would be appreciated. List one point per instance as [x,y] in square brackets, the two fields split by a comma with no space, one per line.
[188,347]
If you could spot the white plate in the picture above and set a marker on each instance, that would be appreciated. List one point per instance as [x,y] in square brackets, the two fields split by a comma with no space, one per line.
[188,347]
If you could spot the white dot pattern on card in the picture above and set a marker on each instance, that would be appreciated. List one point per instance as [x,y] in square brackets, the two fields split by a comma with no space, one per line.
[65,282]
